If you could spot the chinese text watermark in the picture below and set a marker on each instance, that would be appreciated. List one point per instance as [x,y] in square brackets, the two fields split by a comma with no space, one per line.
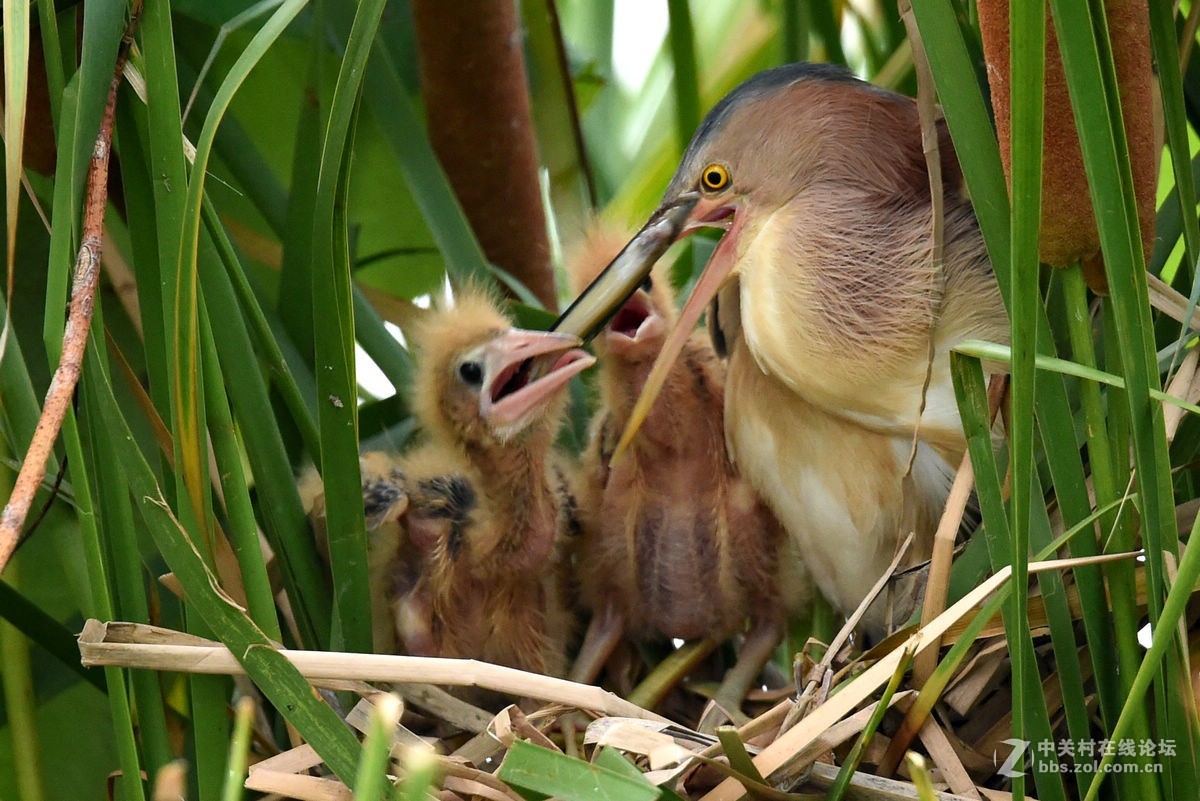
[1083,756]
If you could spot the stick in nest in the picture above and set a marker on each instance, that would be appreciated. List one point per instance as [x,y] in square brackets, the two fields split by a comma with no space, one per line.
[79,318]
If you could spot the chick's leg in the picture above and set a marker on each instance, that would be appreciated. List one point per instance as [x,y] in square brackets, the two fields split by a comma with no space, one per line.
[603,634]
[754,653]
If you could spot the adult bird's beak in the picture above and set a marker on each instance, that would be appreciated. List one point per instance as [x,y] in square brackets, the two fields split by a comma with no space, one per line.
[510,389]
[604,296]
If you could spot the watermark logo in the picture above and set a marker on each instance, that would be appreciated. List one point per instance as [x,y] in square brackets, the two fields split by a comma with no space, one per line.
[1083,756]
[1019,749]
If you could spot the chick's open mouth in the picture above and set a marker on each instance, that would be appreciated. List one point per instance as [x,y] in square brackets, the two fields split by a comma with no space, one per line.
[518,377]
[630,318]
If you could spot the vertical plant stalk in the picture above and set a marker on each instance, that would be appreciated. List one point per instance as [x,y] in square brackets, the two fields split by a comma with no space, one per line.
[1027,67]
[20,701]
[477,108]
[79,319]
[564,64]
[926,92]
[16,73]
[686,83]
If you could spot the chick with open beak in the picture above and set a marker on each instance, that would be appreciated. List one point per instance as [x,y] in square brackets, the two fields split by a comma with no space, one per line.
[839,407]
[674,544]
[466,530]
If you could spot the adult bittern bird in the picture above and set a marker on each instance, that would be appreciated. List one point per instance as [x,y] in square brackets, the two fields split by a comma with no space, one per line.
[674,543]
[839,407]
[466,530]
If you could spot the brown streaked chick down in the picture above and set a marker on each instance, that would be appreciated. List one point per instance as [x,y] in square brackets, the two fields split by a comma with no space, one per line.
[675,544]
[466,529]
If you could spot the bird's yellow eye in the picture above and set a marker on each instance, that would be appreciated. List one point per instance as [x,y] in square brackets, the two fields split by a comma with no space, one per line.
[714,177]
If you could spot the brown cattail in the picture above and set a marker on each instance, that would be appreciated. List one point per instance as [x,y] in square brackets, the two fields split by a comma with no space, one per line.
[1068,229]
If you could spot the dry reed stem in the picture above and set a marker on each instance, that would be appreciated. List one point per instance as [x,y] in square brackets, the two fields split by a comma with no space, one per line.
[927,111]
[943,755]
[938,583]
[779,754]
[128,647]
[943,554]
[79,319]
[1168,300]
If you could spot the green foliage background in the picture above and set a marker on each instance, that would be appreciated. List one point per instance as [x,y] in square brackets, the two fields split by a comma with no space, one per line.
[257,264]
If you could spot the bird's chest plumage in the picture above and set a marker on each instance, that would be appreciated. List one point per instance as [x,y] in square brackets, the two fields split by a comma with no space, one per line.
[840,310]
[842,491]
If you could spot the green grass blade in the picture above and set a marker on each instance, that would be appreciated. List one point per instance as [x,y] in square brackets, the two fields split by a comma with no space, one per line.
[373,784]
[16,80]
[129,576]
[333,323]
[393,361]
[275,676]
[283,517]
[1103,474]
[796,27]
[266,343]
[850,764]
[388,101]
[1163,638]
[239,749]
[48,633]
[295,301]
[686,83]
[166,173]
[241,526]
[547,773]
[1090,77]
[56,79]
[187,411]
[1166,57]
[124,730]
[1027,22]
[969,388]
[970,123]
[556,116]
[19,703]
[827,27]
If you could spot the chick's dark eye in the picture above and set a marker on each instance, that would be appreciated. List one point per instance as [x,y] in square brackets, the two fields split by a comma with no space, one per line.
[647,284]
[714,177]
[471,373]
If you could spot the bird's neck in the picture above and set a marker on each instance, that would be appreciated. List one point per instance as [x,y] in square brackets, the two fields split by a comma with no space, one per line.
[686,415]
[515,477]
[514,466]
[625,379]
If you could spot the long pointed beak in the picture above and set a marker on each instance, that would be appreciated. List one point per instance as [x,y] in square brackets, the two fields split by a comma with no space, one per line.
[511,391]
[604,297]
[716,272]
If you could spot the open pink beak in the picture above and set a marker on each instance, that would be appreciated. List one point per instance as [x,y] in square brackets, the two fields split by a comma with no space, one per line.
[609,296]
[511,391]
[637,323]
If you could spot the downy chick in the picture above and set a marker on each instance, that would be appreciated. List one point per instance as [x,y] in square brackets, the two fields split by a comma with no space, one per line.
[675,544]
[466,529]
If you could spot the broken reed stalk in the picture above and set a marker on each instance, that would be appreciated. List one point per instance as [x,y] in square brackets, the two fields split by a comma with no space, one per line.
[947,532]
[154,648]
[79,319]
[783,750]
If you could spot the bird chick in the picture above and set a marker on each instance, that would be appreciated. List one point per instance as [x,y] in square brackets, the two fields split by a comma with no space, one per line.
[674,543]
[466,529]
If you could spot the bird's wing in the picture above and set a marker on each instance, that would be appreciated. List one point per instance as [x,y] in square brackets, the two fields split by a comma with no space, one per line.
[725,318]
